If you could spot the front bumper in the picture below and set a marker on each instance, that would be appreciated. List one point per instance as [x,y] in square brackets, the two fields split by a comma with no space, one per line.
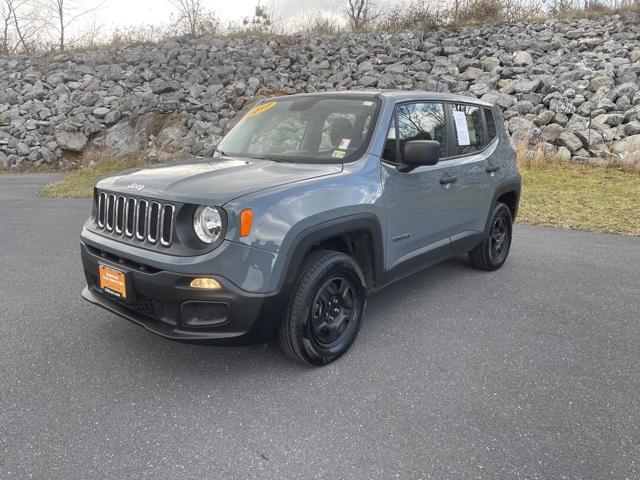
[163,303]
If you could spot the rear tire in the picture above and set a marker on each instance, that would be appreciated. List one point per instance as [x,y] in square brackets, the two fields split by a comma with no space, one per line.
[325,309]
[493,251]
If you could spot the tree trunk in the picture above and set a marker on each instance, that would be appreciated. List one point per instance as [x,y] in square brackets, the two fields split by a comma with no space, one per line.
[61,18]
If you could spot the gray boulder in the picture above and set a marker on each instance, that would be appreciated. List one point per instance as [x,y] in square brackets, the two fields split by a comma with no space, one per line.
[71,141]
[527,86]
[632,128]
[570,141]
[522,131]
[522,58]
[543,118]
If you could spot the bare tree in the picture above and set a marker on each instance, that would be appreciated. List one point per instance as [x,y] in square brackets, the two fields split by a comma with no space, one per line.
[414,14]
[316,22]
[24,20]
[5,18]
[64,13]
[190,12]
[361,14]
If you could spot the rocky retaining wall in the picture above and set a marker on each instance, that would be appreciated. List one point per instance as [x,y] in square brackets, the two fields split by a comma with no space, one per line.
[566,87]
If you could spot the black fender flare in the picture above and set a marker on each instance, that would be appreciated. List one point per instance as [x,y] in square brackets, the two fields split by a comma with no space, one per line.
[305,240]
[506,187]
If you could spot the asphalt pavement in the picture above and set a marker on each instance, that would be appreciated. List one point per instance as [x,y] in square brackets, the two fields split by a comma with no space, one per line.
[529,372]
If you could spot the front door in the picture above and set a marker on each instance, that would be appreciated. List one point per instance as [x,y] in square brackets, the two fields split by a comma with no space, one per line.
[420,204]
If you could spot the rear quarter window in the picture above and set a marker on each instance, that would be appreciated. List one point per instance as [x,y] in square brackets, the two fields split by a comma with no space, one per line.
[469,133]
[491,124]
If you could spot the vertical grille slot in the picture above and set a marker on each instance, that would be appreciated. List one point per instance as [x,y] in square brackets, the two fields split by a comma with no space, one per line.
[166,225]
[111,211]
[141,219]
[130,217]
[154,222]
[102,208]
[119,223]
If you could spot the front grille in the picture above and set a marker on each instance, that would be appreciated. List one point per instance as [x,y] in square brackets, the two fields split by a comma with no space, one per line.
[136,219]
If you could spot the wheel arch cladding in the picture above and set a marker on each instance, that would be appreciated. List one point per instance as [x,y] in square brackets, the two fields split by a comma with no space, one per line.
[359,236]
[509,194]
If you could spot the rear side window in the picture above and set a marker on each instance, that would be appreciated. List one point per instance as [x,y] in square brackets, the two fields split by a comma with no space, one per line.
[468,129]
[491,124]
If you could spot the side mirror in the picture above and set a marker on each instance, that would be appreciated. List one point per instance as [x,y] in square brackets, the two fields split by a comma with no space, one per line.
[421,152]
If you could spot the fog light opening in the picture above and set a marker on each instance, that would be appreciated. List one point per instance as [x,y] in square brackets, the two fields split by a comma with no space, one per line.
[206,283]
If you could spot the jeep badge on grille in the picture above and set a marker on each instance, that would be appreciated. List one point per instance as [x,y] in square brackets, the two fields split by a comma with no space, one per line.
[136,186]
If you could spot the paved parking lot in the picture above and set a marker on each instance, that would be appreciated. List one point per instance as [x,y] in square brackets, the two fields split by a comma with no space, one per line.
[528,372]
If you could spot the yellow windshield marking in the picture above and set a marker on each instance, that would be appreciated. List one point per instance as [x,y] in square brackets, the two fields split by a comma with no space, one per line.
[259,109]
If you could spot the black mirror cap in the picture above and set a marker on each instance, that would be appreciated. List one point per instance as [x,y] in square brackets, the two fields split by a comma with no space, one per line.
[421,152]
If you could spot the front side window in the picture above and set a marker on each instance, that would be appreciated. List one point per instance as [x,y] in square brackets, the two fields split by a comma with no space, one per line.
[390,147]
[468,129]
[415,121]
[421,121]
[303,129]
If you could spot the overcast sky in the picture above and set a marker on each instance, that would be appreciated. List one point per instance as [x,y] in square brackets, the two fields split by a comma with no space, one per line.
[114,13]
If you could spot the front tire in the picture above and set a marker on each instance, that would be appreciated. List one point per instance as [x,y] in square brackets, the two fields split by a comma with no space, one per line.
[493,251]
[325,309]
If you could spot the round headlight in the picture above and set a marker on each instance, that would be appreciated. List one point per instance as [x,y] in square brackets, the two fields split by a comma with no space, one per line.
[207,223]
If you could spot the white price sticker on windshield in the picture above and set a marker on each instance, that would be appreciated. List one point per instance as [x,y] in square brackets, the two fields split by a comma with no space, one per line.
[462,128]
[344,144]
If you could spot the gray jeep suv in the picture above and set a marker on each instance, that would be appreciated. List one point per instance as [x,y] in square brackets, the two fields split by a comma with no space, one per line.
[309,203]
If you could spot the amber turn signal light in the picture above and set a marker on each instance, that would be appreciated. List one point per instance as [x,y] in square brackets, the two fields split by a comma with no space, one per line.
[246,220]
[208,283]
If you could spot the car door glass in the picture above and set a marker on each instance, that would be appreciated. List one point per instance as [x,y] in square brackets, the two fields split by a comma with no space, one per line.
[389,152]
[421,121]
[491,124]
[468,131]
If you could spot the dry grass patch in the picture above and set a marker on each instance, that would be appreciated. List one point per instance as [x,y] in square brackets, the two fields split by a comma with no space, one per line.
[80,183]
[585,197]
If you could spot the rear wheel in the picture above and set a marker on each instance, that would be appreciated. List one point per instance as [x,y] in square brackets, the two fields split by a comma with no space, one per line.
[325,309]
[494,249]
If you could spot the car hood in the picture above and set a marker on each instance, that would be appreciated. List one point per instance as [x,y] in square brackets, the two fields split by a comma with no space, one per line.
[214,181]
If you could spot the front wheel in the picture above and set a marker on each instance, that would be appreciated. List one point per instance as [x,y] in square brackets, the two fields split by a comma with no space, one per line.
[325,309]
[494,249]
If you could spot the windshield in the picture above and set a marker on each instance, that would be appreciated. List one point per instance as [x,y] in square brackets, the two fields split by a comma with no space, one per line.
[311,129]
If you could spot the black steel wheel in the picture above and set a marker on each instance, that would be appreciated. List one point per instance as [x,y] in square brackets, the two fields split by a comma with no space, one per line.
[325,309]
[332,310]
[494,249]
[500,237]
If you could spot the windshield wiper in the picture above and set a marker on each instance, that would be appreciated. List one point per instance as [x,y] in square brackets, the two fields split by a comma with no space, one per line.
[216,149]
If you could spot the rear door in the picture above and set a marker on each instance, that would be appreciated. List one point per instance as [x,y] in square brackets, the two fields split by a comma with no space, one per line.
[420,208]
[472,145]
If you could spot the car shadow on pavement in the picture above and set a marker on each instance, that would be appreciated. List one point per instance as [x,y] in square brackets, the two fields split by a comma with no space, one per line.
[134,346]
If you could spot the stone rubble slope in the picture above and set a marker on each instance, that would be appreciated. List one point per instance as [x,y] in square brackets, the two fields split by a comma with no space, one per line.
[567,87]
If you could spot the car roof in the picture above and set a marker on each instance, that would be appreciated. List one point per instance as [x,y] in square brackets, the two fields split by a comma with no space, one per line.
[400,95]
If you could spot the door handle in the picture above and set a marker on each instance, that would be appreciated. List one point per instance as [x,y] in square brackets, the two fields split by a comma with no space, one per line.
[447,180]
[492,168]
